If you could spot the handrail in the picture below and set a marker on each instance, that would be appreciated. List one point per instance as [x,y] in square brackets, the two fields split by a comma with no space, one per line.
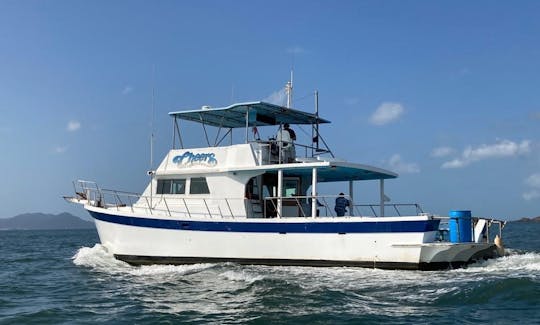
[116,199]
[164,204]
[229,206]
[307,198]
[490,221]
[485,230]
[474,218]
[417,206]
[187,209]
[280,146]
[322,202]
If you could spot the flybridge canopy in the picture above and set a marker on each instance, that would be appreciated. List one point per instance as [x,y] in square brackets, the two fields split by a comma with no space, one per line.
[256,114]
[343,171]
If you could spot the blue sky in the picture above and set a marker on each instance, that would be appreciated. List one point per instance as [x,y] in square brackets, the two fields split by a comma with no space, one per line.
[444,93]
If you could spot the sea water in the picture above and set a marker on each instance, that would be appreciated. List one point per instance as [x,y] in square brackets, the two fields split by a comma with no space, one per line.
[66,277]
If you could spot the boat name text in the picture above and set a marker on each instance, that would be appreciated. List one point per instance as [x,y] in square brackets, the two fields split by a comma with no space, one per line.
[188,159]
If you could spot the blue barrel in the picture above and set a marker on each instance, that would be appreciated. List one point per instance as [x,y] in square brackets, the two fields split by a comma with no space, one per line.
[460,226]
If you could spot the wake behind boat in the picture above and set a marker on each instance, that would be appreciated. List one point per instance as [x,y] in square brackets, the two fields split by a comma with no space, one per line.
[257,202]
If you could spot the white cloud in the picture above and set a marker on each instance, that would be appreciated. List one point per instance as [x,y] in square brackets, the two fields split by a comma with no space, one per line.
[73,126]
[456,163]
[60,149]
[533,180]
[442,152]
[387,112]
[127,90]
[531,195]
[398,165]
[501,149]
[278,97]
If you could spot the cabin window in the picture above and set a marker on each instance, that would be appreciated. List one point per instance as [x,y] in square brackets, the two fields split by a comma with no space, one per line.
[171,186]
[178,186]
[163,186]
[198,186]
[291,186]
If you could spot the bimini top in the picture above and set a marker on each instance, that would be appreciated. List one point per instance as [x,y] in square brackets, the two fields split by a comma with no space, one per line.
[257,114]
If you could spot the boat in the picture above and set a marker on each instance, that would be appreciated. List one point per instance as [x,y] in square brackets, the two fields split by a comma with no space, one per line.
[245,200]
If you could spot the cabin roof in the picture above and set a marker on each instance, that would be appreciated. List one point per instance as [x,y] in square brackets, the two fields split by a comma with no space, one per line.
[327,171]
[258,114]
[339,171]
[349,172]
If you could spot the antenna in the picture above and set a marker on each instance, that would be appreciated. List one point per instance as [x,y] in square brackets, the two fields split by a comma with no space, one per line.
[152,120]
[289,90]
[316,126]
[151,171]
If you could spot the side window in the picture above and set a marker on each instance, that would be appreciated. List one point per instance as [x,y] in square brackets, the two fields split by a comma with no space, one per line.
[198,186]
[163,186]
[171,186]
[178,186]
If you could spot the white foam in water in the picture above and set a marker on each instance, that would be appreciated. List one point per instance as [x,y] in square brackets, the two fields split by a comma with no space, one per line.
[514,264]
[242,276]
[146,270]
[522,263]
[407,285]
[97,257]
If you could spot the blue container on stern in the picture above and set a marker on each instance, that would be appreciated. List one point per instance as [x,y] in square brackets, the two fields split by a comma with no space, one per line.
[460,226]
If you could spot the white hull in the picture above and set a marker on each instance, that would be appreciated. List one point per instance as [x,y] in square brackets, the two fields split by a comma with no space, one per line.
[407,250]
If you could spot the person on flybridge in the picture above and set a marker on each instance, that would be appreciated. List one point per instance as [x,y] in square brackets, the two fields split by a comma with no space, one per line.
[285,138]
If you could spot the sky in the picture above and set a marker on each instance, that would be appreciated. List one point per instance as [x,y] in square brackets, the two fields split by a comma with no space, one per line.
[445,93]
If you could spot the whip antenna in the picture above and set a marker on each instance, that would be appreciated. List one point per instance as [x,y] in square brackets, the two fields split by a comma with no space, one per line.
[151,171]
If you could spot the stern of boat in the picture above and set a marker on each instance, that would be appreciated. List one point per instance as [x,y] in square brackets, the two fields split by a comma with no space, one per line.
[479,239]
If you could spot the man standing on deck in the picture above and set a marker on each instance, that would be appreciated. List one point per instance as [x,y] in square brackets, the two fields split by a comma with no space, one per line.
[341,205]
[286,138]
[291,132]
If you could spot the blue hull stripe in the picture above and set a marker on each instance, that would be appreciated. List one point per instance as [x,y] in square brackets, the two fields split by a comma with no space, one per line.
[262,227]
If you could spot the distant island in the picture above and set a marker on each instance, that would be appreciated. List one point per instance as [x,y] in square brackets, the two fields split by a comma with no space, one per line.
[42,221]
[537,219]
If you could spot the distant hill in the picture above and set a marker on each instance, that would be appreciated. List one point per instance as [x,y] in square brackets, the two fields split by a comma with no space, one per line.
[537,219]
[35,221]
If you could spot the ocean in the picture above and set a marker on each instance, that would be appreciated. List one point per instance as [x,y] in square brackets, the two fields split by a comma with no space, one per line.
[66,277]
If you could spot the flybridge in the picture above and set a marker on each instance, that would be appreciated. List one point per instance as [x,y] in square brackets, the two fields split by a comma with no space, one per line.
[305,164]
[250,114]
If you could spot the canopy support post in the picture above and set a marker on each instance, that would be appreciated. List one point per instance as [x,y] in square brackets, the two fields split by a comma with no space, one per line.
[351,197]
[381,188]
[174,133]
[177,130]
[279,193]
[216,143]
[204,128]
[247,124]
[314,193]
[223,137]
[317,121]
